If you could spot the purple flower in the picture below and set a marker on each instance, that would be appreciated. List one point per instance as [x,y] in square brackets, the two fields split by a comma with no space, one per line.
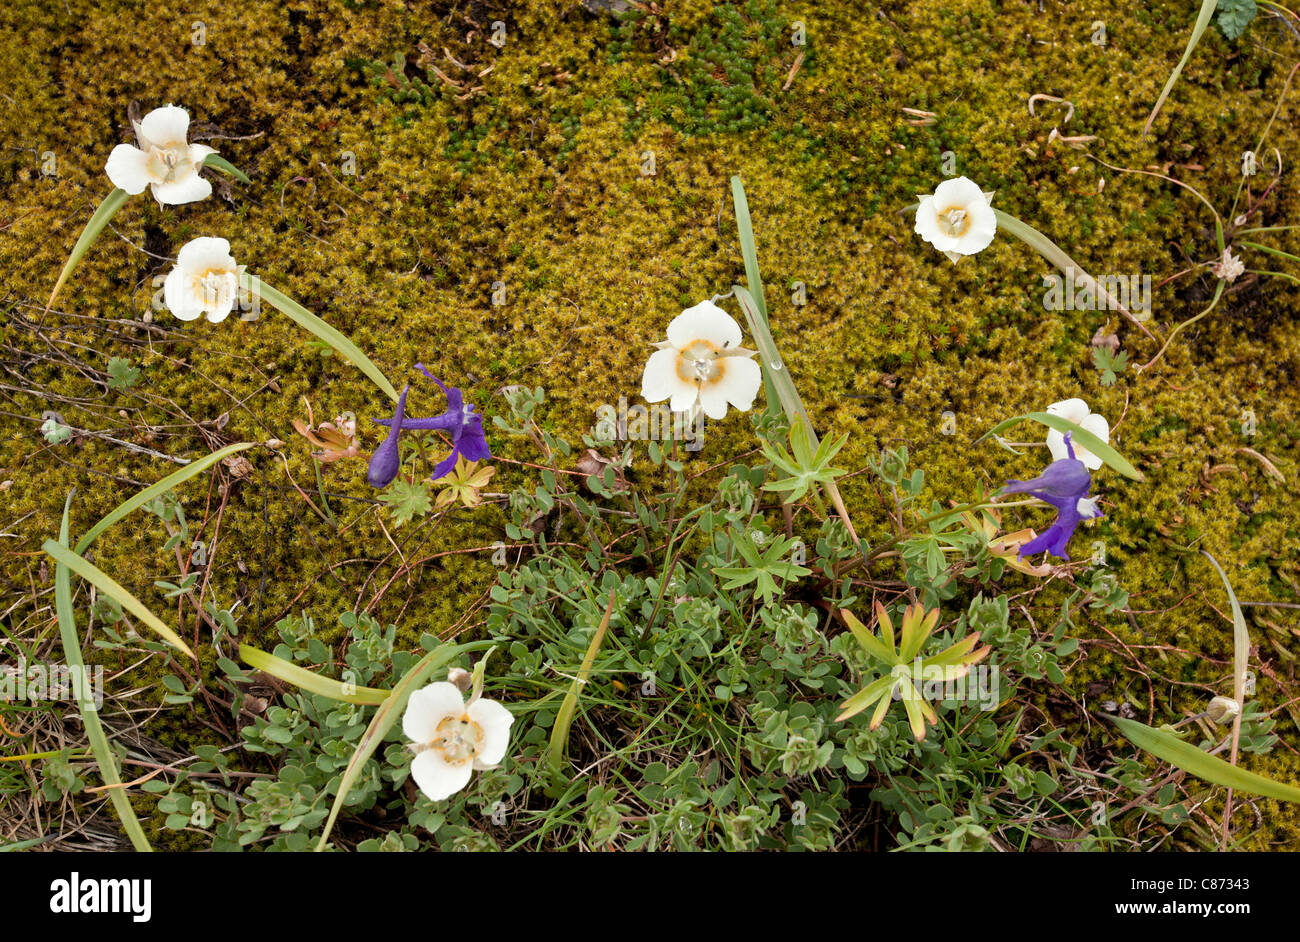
[1064,485]
[386,459]
[460,421]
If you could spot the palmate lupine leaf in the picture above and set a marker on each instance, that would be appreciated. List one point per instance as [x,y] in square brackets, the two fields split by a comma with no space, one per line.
[765,567]
[805,469]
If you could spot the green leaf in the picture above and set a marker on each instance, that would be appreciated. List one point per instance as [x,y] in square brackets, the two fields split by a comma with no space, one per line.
[71,640]
[407,500]
[112,203]
[1198,30]
[1081,435]
[1183,755]
[121,374]
[106,584]
[217,162]
[564,719]
[1234,16]
[1068,266]
[156,490]
[1240,637]
[309,681]
[305,318]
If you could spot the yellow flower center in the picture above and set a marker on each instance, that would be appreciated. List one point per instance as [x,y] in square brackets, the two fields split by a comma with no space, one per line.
[215,286]
[170,162]
[459,738]
[954,221]
[699,362]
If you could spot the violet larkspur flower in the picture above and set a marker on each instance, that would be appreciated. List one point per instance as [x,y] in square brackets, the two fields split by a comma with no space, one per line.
[460,421]
[1064,485]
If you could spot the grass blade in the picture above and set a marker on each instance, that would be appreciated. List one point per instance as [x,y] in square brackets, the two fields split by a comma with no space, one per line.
[1183,755]
[1198,29]
[786,393]
[217,162]
[1240,636]
[308,680]
[1081,435]
[101,580]
[564,718]
[111,204]
[85,700]
[753,278]
[305,318]
[1068,266]
[388,713]
[155,490]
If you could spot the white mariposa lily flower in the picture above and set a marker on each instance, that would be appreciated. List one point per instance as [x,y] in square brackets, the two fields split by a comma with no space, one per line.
[163,160]
[702,364]
[957,218]
[204,281]
[451,738]
[1077,411]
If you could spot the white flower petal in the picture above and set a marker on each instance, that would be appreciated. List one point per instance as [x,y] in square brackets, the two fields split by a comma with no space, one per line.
[660,380]
[1087,508]
[183,303]
[684,398]
[198,152]
[738,384]
[1096,423]
[128,169]
[166,125]
[958,191]
[494,719]
[428,707]
[221,301]
[189,189]
[1076,411]
[983,226]
[205,252]
[704,321]
[438,778]
[1072,410]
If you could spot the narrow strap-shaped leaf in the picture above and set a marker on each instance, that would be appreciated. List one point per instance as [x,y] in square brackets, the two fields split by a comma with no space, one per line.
[880,687]
[1068,266]
[308,680]
[217,162]
[1079,434]
[564,718]
[109,586]
[111,204]
[1198,30]
[71,640]
[1169,748]
[154,490]
[305,318]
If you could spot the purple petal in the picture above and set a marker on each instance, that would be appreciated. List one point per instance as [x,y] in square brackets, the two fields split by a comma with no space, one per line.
[455,398]
[472,444]
[387,459]
[445,422]
[446,464]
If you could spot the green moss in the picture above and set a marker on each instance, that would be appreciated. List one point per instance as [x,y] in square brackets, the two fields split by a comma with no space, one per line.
[536,181]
